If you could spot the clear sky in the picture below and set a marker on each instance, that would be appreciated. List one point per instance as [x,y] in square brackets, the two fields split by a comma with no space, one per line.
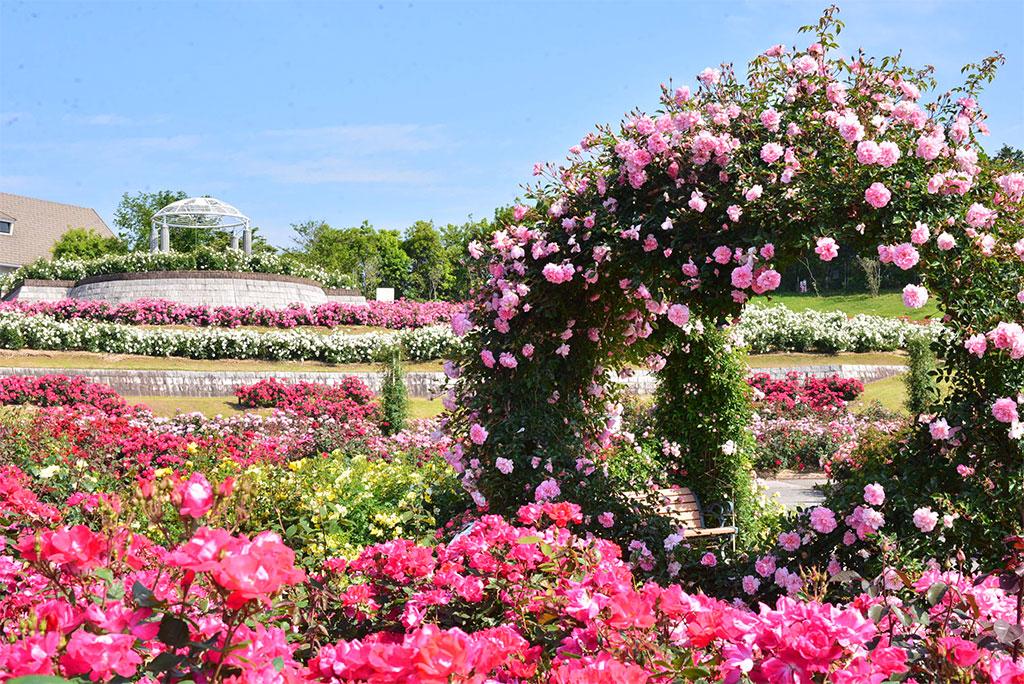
[393,112]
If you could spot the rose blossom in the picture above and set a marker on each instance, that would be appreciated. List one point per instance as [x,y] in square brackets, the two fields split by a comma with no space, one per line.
[939,429]
[823,520]
[477,434]
[925,519]
[915,296]
[771,152]
[874,494]
[945,242]
[976,344]
[877,195]
[1005,410]
[504,465]
[709,560]
[827,250]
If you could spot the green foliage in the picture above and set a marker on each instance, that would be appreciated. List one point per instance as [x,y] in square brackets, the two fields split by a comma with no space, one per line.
[703,405]
[134,216]
[370,257]
[335,505]
[922,390]
[85,243]
[430,268]
[394,401]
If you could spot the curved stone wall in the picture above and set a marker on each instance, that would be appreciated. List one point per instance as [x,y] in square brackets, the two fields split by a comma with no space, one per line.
[213,288]
[210,288]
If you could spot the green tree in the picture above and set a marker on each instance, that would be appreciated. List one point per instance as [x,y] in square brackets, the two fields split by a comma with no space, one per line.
[394,262]
[429,264]
[85,243]
[456,239]
[1012,155]
[370,256]
[134,214]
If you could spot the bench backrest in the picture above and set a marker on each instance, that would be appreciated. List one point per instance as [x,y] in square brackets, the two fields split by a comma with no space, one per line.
[681,504]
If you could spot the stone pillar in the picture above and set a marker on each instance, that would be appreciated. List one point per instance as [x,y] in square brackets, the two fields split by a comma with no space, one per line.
[234,241]
[154,238]
[165,239]
[247,241]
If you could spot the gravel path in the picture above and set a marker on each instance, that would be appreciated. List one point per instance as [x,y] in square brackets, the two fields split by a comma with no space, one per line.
[795,491]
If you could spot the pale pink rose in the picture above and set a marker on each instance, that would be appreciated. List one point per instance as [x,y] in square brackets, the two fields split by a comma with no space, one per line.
[979,216]
[679,314]
[606,519]
[734,212]
[1005,410]
[905,256]
[850,128]
[690,270]
[885,254]
[888,154]
[751,584]
[915,296]
[527,350]
[767,281]
[771,152]
[709,560]
[461,324]
[790,541]
[877,195]
[518,212]
[925,519]
[477,434]
[768,251]
[709,76]
[826,249]
[920,234]
[504,465]
[939,429]
[770,119]
[487,357]
[874,494]
[805,64]
[823,520]
[742,277]
[945,241]
[722,254]
[753,193]
[867,152]
[976,344]
[697,202]
[508,360]
[546,490]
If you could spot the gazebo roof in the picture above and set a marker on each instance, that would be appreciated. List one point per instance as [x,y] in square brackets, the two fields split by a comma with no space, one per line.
[203,210]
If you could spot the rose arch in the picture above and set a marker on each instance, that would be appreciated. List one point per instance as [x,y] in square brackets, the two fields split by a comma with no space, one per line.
[645,245]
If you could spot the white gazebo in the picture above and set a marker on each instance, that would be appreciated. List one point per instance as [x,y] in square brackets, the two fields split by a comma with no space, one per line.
[193,212]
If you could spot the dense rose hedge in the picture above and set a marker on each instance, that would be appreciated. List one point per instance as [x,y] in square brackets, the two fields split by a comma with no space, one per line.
[816,393]
[349,399]
[59,390]
[400,314]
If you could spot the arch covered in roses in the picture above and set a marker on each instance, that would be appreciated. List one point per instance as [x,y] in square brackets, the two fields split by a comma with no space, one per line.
[653,235]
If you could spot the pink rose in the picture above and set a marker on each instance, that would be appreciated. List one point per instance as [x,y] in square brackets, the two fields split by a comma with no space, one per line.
[196,496]
[753,193]
[945,242]
[827,250]
[874,494]
[867,152]
[976,344]
[915,296]
[679,314]
[477,434]
[888,154]
[823,520]
[722,254]
[1005,410]
[920,234]
[905,256]
[742,277]
[925,519]
[939,429]
[771,152]
[709,560]
[877,195]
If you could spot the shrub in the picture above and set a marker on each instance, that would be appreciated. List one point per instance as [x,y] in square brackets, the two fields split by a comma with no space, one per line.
[920,380]
[349,399]
[817,394]
[394,402]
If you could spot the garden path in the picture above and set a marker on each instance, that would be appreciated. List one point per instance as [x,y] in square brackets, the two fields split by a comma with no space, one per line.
[795,490]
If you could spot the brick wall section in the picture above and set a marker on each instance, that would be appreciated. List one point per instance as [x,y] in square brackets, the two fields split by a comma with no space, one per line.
[419,384]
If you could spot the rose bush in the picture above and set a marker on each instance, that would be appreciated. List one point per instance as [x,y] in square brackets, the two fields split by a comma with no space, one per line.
[401,314]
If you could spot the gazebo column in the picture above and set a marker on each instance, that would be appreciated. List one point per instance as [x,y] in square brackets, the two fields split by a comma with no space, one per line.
[154,238]
[247,241]
[165,239]
[234,241]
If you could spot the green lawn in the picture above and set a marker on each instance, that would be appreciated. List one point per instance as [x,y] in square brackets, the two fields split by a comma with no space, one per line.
[226,406]
[890,393]
[786,359]
[886,304]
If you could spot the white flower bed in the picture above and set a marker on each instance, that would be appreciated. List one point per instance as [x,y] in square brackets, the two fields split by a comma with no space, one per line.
[43,332]
[767,329]
[762,329]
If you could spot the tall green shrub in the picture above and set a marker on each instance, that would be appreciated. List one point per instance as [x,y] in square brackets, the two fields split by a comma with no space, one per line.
[393,396]
[920,381]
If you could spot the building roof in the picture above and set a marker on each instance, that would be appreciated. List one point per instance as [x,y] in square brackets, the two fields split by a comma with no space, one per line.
[38,224]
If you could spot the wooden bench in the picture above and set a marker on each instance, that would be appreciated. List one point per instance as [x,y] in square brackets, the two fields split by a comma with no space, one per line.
[681,506]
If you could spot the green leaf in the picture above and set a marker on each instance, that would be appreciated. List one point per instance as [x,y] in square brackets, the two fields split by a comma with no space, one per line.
[173,631]
[143,596]
[278,663]
[936,592]
[38,679]
[529,540]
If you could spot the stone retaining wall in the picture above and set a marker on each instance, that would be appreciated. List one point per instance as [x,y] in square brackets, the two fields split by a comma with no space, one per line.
[211,288]
[419,384]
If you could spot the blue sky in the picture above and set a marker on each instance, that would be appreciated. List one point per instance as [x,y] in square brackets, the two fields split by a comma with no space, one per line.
[393,112]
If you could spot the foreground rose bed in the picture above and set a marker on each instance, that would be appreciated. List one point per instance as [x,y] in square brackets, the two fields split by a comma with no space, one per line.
[501,601]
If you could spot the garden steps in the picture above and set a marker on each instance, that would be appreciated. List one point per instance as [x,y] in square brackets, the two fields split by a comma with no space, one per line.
[189,383]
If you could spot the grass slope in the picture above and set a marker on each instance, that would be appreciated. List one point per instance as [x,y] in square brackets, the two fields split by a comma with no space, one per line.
[227,406]
[889,304]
